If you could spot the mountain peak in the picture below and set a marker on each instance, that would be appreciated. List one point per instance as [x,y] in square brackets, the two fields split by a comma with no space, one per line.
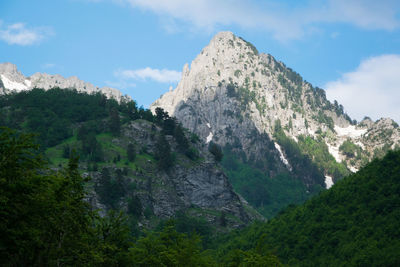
[233,95]
[8,67]
[12,80]
[223,35]
[222,38]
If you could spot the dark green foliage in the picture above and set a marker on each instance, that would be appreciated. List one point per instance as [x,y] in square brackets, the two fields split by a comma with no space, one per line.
[165,121]
[92,148]
[350,149]
[301,163]
[252,47]
[323,118]
[163,153]
[252,257]
[161,115]
[111,188]
[268,195]
[222,219]
[293,76]
[50,113]
[44,218]
[135,207]
[115,124]
[192,153]
[82,132]
[231,90]
[55,224]
[355,223]
[189,225]
[183,143]
[113,239]
[318,150]
[130,108]
[131,152]
[216,150]
[66,151]
[169,248]
[169,125]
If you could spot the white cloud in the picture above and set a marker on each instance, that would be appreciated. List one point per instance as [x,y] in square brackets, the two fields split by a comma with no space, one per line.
[48,65]
[373,89]
[285,22]
[368,14]
[20,34]
[162,76]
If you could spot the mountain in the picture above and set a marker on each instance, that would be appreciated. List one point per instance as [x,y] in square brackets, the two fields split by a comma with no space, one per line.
[13,80]
[148,166]
[263,111]
[355,223]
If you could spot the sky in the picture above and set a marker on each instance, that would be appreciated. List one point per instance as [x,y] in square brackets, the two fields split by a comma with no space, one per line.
[351,48]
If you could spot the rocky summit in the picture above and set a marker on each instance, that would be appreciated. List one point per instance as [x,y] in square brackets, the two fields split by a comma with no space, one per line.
[11,80]
[237,97]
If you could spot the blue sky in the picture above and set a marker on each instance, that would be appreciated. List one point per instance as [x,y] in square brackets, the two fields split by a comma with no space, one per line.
[349,47]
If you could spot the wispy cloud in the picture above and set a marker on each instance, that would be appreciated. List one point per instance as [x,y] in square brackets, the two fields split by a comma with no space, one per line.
[161,76]
[121,84]
[20,34]
[284,21]
[48,65]
[371,90]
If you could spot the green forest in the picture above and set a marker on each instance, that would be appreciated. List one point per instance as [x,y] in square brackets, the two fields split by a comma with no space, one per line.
[46,220]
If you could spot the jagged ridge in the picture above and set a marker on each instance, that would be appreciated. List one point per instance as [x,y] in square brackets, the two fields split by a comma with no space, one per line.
[13,80]
[233,95]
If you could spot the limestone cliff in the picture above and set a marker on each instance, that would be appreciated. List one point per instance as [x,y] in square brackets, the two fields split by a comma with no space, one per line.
[235,96]
[197,187]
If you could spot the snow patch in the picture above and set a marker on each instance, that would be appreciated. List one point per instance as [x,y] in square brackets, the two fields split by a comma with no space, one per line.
[282,156]
[353,169]
[350,131]
[11,85]
[328,181]
[362,145]
[208,125]
[209,138]
[28,83]
[334,151]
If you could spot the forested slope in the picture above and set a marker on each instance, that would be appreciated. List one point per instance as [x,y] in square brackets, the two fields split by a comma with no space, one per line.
[355,223]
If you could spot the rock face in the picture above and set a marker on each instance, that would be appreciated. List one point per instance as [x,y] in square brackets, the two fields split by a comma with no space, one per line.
[197,187]
[12,80]
[235,96]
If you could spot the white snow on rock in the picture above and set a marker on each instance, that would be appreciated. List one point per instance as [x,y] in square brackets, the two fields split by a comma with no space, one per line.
[282,156]
[13,80]
[11,85]
[209,138]
[328,181]
[208,125]
[311,132]
[353,169]
[334,151]
[350,131]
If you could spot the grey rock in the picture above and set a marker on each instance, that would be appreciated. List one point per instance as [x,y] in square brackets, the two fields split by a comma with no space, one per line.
[12,80]
[265,91]
[196,186]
